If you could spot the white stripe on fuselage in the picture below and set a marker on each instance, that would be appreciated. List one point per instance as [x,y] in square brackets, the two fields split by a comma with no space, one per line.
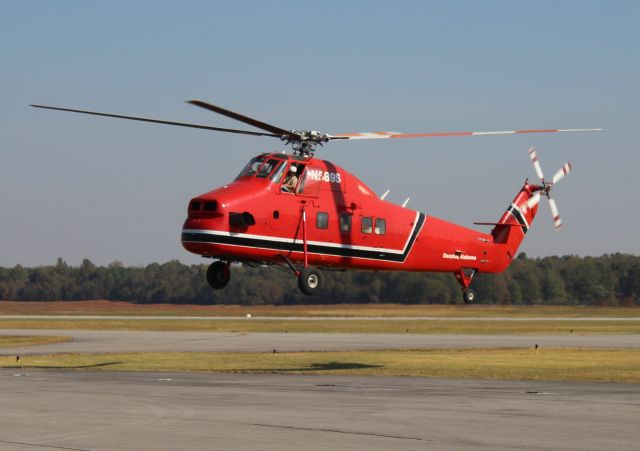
[299,241]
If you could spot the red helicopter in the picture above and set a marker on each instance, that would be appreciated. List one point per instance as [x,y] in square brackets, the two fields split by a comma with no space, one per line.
[304,213]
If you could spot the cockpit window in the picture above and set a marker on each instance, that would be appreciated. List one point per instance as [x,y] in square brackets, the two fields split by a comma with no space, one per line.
[277,174]
[266,168]
[252,167]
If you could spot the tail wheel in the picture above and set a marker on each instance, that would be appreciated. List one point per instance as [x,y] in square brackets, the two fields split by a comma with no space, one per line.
[469,296]
[218,275]
[309,281]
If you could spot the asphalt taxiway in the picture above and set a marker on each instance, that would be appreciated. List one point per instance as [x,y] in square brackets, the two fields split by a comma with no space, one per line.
[93,341]
[161,411]
[78,410]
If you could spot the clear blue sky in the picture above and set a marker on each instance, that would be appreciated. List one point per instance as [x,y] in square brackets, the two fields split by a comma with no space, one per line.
[75,186]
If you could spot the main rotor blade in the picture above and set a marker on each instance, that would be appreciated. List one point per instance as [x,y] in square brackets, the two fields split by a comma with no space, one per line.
[157,121]
[564,170]
[536,163]
[387,135]
[239,117]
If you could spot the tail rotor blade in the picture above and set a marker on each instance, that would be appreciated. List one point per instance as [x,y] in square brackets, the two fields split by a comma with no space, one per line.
[536,164]
[533,201]
[564,170]
[557,222]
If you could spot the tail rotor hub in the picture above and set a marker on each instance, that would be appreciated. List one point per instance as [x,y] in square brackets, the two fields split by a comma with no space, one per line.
[546,186]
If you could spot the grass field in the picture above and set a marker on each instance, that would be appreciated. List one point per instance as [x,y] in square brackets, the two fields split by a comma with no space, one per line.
[341,310]
[466,326]
[7,341]
[406,318]
[613,365]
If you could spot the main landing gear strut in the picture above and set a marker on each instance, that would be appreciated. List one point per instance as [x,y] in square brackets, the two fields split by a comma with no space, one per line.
[309,279]
[464,277]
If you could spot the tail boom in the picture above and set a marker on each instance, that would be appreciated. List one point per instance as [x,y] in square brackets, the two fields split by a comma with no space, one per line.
[514,224]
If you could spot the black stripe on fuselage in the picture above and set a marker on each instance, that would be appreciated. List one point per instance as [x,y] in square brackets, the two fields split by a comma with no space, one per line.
[515,212]
[191,237]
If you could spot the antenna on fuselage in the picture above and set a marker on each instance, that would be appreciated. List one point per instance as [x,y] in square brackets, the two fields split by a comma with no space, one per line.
[404,204]
[385,194]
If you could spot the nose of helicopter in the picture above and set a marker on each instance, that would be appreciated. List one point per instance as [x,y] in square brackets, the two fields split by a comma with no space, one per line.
[205,217]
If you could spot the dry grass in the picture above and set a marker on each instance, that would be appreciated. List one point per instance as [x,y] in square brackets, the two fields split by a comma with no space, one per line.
[462,326]
[594,365]
[343,310]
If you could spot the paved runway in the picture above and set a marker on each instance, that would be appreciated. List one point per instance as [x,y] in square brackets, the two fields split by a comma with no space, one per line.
[134,341]
[132,411]
[121,410]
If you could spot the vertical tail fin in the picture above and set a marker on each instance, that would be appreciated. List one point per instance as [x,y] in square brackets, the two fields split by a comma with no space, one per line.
[515,222]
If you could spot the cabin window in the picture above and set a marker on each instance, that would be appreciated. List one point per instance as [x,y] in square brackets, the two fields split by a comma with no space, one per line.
[381,226]
[322,220]
[195,205]
[366,225]
[345,223]
[266,168]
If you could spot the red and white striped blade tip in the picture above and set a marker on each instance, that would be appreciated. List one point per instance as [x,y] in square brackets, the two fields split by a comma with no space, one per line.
[564,170]
[536,163]
[387,135]
[557,222]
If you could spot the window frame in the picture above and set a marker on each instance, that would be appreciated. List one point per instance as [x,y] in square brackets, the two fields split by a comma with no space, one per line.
[272,164]
[276,177]
[247,171]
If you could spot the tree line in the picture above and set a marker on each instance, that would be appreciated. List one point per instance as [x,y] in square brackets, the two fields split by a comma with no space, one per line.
[612,280]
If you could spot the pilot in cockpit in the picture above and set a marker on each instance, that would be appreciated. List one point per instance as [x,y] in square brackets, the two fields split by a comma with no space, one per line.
[289,185]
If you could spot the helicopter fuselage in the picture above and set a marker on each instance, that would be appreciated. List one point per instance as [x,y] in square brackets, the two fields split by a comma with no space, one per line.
[331,219]
[304,212]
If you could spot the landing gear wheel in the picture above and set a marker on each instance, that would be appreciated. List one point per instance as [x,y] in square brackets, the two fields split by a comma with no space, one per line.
[309,281]
[469,296]
[218,275]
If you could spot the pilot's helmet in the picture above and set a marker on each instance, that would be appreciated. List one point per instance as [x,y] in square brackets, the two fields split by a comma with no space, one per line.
[293,169]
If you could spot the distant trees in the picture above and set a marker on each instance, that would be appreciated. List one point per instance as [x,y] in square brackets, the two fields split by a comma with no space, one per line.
[606,280]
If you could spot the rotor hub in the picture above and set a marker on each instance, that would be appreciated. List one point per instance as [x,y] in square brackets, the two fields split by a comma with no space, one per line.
[304,142]
[544,188]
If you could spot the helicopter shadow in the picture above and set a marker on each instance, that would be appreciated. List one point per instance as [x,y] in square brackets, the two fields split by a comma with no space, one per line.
[323,366]
[62,367]
[346,238]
